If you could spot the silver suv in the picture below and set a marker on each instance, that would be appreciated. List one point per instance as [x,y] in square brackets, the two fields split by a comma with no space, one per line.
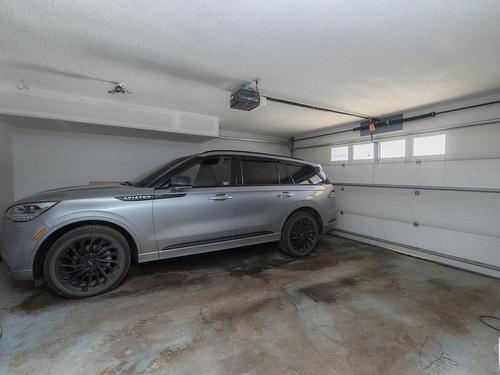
[83,239]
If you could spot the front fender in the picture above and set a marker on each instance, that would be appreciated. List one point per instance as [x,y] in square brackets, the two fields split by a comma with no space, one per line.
[95,216]
[133,217]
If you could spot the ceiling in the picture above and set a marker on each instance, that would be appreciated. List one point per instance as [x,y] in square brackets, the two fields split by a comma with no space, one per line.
[371,57]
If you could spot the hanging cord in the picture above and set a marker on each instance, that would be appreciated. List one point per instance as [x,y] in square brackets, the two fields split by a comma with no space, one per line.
[484,319]
[372,128]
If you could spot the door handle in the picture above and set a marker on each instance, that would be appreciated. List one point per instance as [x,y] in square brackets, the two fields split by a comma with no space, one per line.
[220,197]
[285,194]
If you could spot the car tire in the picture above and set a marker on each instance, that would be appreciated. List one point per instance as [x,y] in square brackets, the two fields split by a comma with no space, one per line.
[87,261]
[299,235]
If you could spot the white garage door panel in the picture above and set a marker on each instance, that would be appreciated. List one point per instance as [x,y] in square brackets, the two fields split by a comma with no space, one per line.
[370,202]
[475,248]
[454,173]
[361,173]
[449,223]
[376,227]
[470,143]
[467,212]
[461,173]
[464,211]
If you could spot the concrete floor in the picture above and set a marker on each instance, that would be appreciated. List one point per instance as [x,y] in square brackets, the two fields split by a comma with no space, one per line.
[348,309]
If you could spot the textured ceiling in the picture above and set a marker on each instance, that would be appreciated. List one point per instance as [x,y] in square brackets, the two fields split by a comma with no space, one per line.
[372,57]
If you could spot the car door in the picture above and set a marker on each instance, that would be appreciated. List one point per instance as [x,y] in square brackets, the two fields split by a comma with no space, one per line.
[200,218]
[261,202]
[271,191]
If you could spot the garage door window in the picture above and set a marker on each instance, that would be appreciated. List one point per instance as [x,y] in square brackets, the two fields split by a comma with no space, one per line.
[433,145]
[363,152]
[340,153]
[393,149]
[259,172]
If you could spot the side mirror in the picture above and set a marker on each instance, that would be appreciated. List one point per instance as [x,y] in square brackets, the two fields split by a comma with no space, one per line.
[181,182]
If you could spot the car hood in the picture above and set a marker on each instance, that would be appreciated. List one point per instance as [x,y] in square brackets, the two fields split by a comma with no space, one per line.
[84,192]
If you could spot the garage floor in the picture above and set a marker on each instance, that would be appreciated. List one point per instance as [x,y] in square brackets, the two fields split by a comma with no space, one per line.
[348,309]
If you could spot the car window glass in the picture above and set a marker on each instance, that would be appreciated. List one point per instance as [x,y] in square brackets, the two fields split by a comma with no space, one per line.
[150,177]
[259,172]
[191,172]
[304,174]
[285,177]
[210,171]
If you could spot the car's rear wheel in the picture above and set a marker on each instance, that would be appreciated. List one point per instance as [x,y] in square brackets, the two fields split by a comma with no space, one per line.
[300,234]
[87,261]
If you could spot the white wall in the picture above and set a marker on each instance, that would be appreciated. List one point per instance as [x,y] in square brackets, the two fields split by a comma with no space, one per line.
[47,156]
[458,228]
[6,180]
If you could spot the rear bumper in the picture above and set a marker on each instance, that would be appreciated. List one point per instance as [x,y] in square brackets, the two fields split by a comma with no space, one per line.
[328,227]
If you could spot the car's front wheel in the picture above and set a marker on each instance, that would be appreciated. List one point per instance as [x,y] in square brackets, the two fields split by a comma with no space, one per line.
[299,235]
[87,261]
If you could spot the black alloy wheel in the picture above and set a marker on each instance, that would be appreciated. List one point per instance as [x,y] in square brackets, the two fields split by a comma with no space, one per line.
[87,261]
[300,234]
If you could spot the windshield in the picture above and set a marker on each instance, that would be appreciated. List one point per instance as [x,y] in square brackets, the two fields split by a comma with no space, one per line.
[148,178]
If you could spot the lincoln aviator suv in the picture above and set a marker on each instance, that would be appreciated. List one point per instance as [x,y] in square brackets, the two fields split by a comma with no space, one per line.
[81,240]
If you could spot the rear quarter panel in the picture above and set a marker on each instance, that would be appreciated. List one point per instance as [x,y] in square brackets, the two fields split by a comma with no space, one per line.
[315,197]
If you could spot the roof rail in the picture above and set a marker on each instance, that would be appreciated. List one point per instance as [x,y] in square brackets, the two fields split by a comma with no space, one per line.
[252,152]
